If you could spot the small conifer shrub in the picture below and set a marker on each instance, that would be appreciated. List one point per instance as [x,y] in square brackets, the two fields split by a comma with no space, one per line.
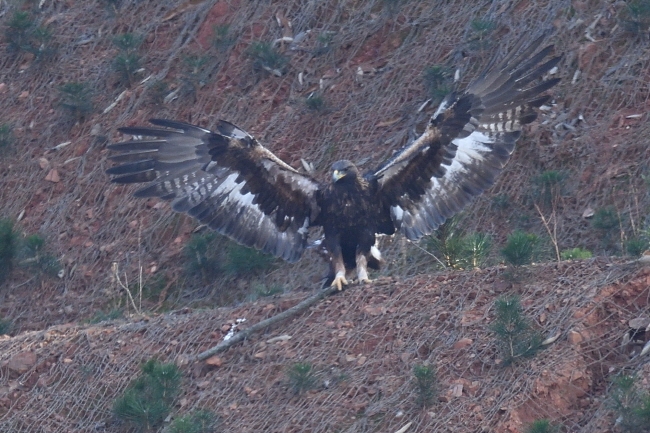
[112,5]
[202,421]
[5,326]
[607,223]
[515,336]
[635,17]
[605,219]
[201,255]
[196,73]
[127,62]
[209,255]
[500,202]
[549,186]
[324,43]
[8,248]
[263,290]
[393,6]
[631,404]
[521,248]
[42,46]
[482,28]
[128,42]
[241,260]
[426,384]
[438,80]
[457,250]
[575,254]
[158,90]
[22,34]
[301,377]
[221,37]
[480,35]
[636,246]
[102,316]
[126,65]
[266,57]
[17,30]
[477,249]
[315,102]
[542,426]
[448,243]
[76,100]
[147,401]
[6,136]
[34,257]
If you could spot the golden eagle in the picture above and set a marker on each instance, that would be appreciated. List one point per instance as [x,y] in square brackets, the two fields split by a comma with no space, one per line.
[226,179]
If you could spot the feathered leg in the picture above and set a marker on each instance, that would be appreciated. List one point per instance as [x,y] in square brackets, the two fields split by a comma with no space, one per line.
[362,268]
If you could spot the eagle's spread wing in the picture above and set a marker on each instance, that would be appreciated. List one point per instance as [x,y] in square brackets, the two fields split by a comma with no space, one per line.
[225,179]
[466,144]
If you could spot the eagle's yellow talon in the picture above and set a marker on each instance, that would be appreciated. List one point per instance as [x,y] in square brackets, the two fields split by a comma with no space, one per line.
[339,282]
[365,281]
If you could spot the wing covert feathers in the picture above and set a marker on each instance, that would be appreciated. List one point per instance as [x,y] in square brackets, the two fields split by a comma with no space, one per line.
[224,179]
[467,143]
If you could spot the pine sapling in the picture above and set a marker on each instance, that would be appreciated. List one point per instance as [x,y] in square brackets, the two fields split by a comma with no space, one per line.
[631,404]
[542,426]
[515,336]
[8,248]
[521,248]
[426,384]
[148,399]
[202,421]
[301,377]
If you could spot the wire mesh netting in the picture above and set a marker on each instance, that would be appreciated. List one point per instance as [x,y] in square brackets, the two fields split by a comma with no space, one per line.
[362,346]
[367,62]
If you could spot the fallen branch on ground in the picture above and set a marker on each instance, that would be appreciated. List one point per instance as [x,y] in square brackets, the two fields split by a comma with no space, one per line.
[266,323]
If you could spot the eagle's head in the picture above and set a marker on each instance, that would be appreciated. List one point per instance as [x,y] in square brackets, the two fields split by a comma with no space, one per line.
[344,170]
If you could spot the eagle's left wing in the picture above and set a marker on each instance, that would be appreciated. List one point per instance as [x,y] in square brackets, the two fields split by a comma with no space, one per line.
[466,144]
[225,179]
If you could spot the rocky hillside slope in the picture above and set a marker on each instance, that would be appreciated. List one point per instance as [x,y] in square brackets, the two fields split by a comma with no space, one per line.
[315,81]
[362,346]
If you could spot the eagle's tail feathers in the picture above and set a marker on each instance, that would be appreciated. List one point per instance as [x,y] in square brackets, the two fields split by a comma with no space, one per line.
[374,258]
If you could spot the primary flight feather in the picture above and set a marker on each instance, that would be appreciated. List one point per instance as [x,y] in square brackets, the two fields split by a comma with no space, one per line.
[227,180]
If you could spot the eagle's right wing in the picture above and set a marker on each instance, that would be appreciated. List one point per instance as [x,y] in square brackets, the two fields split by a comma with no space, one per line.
[467,143]
[225,179]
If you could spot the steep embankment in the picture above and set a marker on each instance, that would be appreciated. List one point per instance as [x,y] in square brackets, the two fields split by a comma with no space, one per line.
[370,63]
[363,344]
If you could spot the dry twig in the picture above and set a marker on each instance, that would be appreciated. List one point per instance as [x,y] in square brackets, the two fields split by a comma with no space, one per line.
[551,234]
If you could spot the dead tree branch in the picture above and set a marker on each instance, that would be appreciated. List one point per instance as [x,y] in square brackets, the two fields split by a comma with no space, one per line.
[266,323]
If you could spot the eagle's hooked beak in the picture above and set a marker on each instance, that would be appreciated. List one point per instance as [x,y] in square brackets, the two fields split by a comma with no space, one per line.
[336,175]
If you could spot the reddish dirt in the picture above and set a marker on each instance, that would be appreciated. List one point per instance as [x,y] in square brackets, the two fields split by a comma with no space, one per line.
[364,342]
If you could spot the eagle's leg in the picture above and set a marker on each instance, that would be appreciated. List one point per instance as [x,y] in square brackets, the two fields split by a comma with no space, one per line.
[339,272]
[362,268]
